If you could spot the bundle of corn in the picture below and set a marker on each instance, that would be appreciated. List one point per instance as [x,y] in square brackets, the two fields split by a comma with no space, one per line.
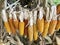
[30,27]
[53,22]
[46,24]
[21,24]
[35,32]
[6,24]
[40,20]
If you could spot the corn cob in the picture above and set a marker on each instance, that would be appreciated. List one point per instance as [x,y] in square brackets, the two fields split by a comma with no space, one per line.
[12,27]
[21,24]
[40,20]
[52,27]
[46,27]
[26,28]
[7,27]
[6,24]
[40,25]
[58,25]
[35,32]
[15,20]
[21,28]
[30,33]
[53,22]
[30,27]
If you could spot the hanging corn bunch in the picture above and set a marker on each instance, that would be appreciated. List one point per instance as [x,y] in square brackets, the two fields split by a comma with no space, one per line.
[11,24]
[21,24]
[46,24]
[6,24]
[15,20]
[35,31]
[40,20]
[53,22]
[30,27]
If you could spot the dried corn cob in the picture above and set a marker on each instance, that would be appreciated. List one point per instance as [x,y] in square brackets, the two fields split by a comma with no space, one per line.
[26,28]
[15,20]
[30,33]
[35,32]
[21,24]
[21,28]
[40,25]
[40,20]
[53,22]
[6,21]
[52,26]
[7,27]
[30,27]
[46,27]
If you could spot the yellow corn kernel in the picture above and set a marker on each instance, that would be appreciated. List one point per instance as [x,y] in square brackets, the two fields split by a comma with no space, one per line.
[40,25]
[30,33]
[7,27]
[58,25]
[21,28]
[52,27]
[35,32]
[46,27]
[12,27]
